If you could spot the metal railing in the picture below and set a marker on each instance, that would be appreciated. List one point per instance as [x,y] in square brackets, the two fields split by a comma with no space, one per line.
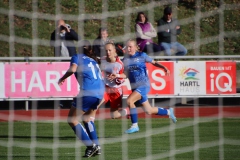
[216,57]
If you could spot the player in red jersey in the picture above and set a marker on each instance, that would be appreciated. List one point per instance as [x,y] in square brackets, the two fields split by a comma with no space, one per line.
[113,71]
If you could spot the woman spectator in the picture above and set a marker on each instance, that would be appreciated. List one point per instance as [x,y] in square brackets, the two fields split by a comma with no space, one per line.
[145,32]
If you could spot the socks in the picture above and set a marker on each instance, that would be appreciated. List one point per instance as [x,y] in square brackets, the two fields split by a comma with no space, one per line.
[82,134]
[90,128]
[162,111]
[134,115]
[134,124]
[123,112]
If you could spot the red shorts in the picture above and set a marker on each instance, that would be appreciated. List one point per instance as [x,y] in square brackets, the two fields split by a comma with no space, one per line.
[114,95]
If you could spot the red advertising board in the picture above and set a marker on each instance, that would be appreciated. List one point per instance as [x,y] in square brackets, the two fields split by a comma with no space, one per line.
[159,82]
[221,77]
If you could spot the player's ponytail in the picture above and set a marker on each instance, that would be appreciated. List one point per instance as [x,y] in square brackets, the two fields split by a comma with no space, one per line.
[86,48]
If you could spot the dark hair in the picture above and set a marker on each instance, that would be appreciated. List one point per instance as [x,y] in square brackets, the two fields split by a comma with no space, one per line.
[167,10]
[86,48]
[138,17]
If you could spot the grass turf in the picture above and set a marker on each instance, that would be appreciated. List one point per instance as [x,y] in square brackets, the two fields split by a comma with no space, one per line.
[157,139]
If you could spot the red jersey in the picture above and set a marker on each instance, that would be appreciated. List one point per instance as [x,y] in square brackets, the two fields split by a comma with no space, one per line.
[112,68]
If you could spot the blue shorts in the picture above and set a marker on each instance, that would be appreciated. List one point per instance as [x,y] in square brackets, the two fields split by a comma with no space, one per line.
[86,103]
[143,91]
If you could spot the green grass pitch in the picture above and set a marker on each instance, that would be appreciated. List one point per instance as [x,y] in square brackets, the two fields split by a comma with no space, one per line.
[205,138]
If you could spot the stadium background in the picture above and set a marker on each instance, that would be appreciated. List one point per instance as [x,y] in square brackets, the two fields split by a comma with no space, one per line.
[209,28]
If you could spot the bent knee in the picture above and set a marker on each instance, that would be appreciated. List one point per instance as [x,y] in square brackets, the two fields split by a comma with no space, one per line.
[72,121]
[87,119]
[115,116]
[148,112]
[130,103]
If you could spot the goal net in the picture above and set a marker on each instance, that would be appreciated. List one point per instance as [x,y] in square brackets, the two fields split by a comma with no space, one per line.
[202,87]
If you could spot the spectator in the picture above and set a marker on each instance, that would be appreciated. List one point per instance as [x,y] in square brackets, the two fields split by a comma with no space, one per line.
[145,32]
[100,41]
[168,29]
[62,39]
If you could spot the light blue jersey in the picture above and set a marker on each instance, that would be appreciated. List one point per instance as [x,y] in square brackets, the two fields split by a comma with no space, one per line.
[89,76]
[135,67]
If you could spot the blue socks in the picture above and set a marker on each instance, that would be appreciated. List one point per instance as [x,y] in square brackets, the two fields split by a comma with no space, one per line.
[134,115]
[91,130]
[82,134]
[162,111]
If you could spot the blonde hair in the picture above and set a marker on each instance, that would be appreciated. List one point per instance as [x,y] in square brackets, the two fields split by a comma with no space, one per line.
[134,41]
[111,42]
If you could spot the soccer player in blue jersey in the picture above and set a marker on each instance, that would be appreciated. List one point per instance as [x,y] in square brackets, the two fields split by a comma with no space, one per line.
[86,70]
[135,69]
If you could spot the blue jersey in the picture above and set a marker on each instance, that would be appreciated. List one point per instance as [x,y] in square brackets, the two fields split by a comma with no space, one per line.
[135,67]
[89,76]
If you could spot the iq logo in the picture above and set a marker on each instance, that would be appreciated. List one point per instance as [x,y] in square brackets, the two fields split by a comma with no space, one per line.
[221,77]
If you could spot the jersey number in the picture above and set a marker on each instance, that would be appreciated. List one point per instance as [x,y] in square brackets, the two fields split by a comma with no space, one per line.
[93,71]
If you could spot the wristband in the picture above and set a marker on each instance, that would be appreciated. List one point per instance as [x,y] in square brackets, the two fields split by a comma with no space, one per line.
[118,75]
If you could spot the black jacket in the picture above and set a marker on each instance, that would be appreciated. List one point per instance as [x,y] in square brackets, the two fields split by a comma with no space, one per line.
[163,26]
[99,47]
[68,41]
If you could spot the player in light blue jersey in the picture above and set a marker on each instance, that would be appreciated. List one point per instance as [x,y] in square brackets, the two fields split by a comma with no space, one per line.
[135,69]
[85,67]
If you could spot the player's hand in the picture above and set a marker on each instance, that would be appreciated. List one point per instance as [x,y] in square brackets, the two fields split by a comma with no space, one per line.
[111,77]
[167,71]
[177,27]
[67,29]
[61,81]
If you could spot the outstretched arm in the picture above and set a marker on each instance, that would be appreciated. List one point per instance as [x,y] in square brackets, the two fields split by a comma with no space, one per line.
[72,69]
[157,64]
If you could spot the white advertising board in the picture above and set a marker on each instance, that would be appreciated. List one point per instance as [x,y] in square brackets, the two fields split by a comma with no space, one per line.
[190,78]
